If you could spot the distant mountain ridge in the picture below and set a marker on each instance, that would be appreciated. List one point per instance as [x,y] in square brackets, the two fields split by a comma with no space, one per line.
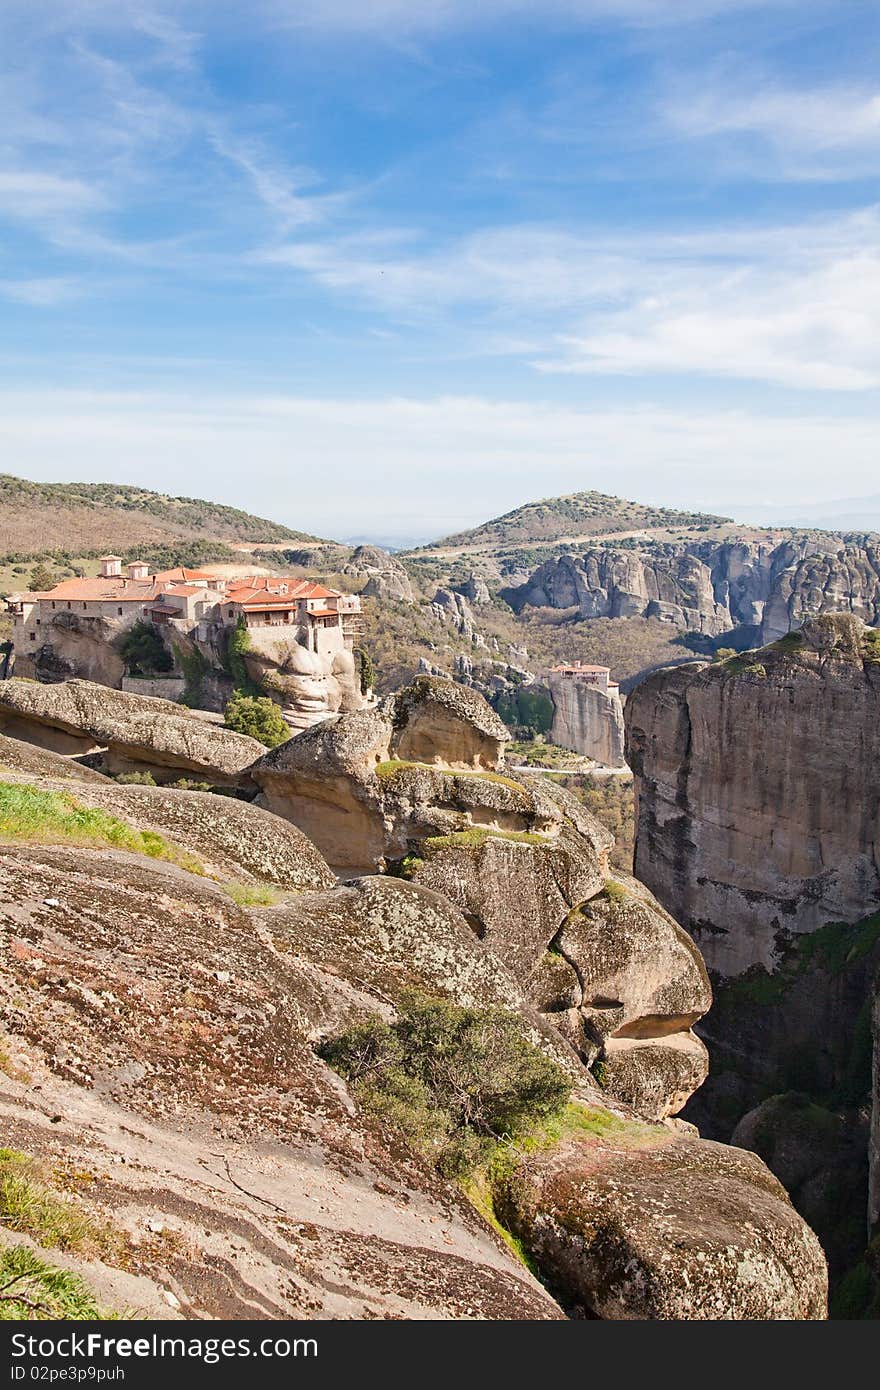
[576,514]
[37,517]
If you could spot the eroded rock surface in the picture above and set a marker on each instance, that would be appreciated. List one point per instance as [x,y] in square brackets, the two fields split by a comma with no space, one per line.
[162,1027]
[133,732]
[712,587]
[630,1228]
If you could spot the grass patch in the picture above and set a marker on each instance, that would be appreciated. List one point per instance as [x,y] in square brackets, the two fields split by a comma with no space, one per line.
[254,894]
[744,665]
[477,836]
[388,770]
[30,1206]
[30,815]
[791,642]
[615,893]
[33,1291]
[407,867]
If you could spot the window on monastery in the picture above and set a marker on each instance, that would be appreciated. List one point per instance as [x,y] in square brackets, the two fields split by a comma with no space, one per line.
[33,637]
[119,611]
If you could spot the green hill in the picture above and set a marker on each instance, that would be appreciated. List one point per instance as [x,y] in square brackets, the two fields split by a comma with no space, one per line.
[39,517]
[578,514]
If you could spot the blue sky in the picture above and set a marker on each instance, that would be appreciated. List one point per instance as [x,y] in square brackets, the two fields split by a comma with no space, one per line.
[391,266]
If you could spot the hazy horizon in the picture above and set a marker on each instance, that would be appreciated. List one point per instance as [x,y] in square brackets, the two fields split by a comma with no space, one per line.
[355,266]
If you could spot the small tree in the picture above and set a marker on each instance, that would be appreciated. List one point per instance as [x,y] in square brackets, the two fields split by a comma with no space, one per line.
[258,717]
[41,578]
[143,650]
[367,670]
[239,643]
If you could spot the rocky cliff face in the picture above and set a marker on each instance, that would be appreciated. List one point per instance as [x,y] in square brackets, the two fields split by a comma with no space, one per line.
[587,719]
[160,1046]
[715,586]
[756,788]
[758,827]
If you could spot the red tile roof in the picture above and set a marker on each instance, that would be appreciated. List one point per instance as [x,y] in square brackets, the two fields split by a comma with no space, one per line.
[182,575]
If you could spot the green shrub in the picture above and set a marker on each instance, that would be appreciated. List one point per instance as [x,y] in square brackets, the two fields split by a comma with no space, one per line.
[258,717]
[453,1081]
[135,779]
[143,650]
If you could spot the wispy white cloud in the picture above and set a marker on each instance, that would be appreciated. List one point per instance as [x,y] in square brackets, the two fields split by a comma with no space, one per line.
[793,305]
[825,133]
[395,17]
[43,293]
[29,195]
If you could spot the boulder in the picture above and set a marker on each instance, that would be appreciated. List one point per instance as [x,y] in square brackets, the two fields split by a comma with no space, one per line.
[820,1157]
[134,733]
[386,577]
[650,1225]
[27,758]
[629,984]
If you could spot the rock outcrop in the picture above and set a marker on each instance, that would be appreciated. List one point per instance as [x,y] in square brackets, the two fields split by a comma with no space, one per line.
[715,586]
[164,1055]
[308,686]
[755,784]
[522,860]
[820,1157]
[28,759]
[386,577]
[160,1044]
[133,733]
[631,1227]
[331,779]
[229,840]
[587,719]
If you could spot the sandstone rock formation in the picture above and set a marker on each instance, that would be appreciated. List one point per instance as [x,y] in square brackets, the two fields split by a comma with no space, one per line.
[475,590]
[326,779]
[521,859]
[757,813]
[758,829]
[173,1032]
[666,1228]
[386,577]
[230,840]
[587,719]
[154,1025]
[132,732]
[309,686]
[27,758]
[714,586]
[450,606]
[820,1157]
